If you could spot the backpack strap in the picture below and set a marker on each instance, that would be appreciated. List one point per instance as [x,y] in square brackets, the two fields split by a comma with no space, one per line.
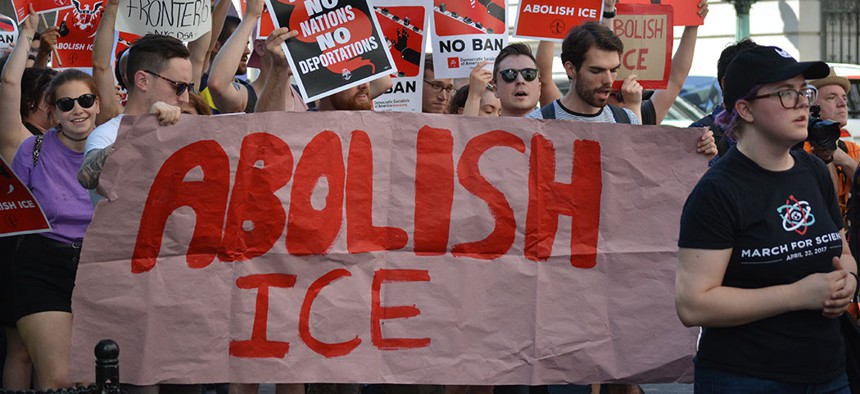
[548,111]
[37,148]
[619,114]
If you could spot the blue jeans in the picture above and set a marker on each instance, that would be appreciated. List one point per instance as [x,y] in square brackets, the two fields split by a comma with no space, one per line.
[709,381]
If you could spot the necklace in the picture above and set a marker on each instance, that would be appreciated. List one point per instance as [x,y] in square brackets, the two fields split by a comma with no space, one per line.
[72,138]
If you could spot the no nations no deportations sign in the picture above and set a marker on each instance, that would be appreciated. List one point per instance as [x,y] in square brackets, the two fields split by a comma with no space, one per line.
[339,44]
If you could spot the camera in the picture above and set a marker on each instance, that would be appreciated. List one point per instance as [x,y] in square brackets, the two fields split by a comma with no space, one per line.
[825,133]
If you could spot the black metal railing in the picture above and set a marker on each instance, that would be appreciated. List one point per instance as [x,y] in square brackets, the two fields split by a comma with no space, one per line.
[107,374]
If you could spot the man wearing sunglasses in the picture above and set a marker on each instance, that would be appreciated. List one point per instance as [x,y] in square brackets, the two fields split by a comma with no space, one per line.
[515,80]
[159,72]
[436,92]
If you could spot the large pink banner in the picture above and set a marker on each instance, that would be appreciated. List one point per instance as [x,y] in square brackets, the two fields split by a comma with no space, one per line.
[401,248]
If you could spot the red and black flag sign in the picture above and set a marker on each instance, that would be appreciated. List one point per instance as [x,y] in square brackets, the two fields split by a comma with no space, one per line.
[339,44]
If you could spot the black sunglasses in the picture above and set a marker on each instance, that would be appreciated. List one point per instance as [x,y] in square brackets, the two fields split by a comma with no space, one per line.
[181,87]
[510,75]
[66,104]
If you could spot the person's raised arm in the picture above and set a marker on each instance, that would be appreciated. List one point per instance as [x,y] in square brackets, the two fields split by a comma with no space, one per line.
[277,92]
[479,78]
[13,132]
[608,8]
[228,95]
[199,50]
[47,42]
[102,70]
[219,14]
[681,64]
[380,85]
[548,89]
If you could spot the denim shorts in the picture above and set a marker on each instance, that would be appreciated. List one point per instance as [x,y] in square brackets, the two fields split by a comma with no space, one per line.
[709,381]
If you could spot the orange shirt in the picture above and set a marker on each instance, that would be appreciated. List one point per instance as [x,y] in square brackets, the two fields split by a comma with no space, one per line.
[840,179]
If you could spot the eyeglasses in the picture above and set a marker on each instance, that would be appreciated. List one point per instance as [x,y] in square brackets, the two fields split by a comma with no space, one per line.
[181,87]
[791,98]
[66,104]
[510,75]
[438,87]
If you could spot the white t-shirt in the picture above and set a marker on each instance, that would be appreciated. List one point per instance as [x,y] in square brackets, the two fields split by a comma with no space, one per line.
[102,137]
[604,116]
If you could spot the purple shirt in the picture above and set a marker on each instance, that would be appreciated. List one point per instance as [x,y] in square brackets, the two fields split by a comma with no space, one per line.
[54,183]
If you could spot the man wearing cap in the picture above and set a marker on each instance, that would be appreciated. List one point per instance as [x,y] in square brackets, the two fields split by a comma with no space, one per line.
[763,266]
[841,162]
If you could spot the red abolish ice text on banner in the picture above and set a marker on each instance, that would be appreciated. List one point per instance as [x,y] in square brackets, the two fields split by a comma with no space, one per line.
[552,19]
[339,44]
[19,210]
[646,31]
[365,247]
[686,12]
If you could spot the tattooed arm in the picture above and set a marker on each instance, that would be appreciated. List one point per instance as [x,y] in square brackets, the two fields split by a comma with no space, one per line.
[88,175]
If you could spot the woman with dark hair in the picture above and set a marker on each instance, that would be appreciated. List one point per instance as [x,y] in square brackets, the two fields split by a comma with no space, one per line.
[763,264]
[44,265]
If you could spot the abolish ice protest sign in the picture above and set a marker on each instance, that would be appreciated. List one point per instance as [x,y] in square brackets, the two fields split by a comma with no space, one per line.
[75,49]
[339,44]
[186,20]
[390,247]
[404,24]
[551,19]
[20,212]
[466,33]
[686,12]
[646,31]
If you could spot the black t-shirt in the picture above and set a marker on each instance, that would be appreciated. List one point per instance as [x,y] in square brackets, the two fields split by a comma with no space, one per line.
[781,227]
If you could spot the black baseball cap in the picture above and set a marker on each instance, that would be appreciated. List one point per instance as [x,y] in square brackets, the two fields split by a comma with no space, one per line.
[763,65]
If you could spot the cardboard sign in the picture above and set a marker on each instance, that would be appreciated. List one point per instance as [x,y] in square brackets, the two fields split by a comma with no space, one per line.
[368,247]
[8,32]
[405,27]
[551,20]
[21,213]
[646,31]
[22,10]
[76,48]
[466,33]
[686,12]
[185,20]
[339,44]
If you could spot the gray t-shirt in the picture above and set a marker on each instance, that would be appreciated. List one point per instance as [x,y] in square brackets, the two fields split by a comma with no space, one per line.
[604,116]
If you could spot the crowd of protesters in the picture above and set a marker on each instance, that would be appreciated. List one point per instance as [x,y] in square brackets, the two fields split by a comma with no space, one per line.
[768,327]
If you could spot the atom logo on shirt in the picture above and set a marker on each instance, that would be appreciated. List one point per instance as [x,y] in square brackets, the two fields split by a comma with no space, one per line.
[796,215]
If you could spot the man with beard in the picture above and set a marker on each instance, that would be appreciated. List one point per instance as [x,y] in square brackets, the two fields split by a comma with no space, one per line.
[591,54]
[220,88]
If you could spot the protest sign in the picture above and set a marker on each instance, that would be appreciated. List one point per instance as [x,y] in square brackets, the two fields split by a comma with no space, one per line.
[465,33]
[686,12]
[404,25]
[646,31]
[550,20]
[339,44]
[22,10]
[387,247]
[185,20]
[76,48]
[265,25]
[21,212]
[8,32]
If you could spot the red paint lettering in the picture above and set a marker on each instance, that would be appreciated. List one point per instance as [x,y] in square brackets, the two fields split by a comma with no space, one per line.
[256,217]
[504,231]
[379,312]
[434,190]
[579,199]
[170,191]
[326,349]
[640,59]
[312,231]
[258,346]
[361,235]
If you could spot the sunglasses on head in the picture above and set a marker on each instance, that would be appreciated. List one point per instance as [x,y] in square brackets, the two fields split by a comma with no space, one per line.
[181,87]
[66,104]
[510,75]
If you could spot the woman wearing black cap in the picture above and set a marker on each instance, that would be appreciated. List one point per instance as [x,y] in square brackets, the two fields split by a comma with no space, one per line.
[763,266]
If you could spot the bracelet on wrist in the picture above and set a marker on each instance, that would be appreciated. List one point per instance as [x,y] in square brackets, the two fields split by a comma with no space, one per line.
[610,14]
